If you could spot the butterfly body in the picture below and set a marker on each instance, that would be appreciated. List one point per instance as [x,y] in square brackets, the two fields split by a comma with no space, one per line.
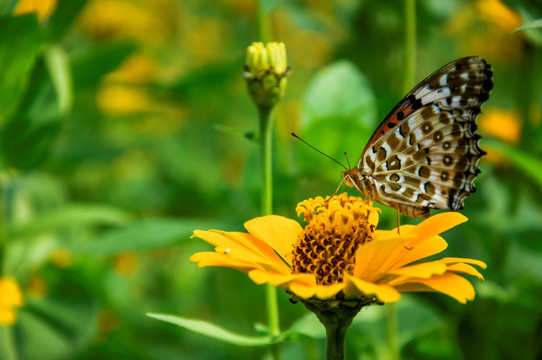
[425,153]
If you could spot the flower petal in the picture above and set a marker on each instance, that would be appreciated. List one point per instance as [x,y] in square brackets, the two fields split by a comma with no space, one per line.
[452,285]
[423,270]
[328,291]
[220,259]
[242,246]
[276,279]
[449,260]
[383,292]
[379,255]
[278,232]
[439,223]
[465,269]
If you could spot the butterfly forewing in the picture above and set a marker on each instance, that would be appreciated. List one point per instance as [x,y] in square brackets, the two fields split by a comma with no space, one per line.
[425,153]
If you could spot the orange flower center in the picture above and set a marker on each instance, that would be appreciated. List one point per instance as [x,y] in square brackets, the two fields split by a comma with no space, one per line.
[336,227]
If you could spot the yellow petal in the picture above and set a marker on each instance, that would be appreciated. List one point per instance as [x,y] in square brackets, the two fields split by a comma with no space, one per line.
[450,260]
[452,285]
[220,259]
[379,255]
[277,231]
[439,223]
[383,292]
[430,246]
[277,279]
[423,270]
[328,291]
[241,246]
[303,289]
[465,269]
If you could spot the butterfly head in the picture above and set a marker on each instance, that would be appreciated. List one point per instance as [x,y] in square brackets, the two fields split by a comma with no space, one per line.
[356,179]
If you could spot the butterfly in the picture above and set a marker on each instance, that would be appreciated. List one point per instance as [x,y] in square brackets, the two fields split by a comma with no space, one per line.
[425,153]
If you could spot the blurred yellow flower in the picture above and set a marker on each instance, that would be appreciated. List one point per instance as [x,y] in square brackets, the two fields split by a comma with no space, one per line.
[62,258]
[126,263]
[501,124]
[118,99]
[497,12]
[340,255]
[10,298]
[42,8]
[126,19]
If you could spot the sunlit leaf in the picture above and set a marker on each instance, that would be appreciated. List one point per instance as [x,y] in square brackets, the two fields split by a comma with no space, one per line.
[213,331]
[60,71]
[67,217]
[535,24]
[529,164]
[144,234]
[339,90]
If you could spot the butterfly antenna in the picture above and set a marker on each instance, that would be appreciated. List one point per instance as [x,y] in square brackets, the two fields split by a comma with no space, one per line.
[347,160]
[321,152]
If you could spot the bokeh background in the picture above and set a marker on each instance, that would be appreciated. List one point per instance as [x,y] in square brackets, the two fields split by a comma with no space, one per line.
[122,129]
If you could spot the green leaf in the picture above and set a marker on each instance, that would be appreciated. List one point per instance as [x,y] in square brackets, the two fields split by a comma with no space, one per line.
[57,62]
[68,217]
[59,325]
[24,145]
[534,24]
[530,165]
[307,327]
[340,90]
[249,134]
[61,20]
[89,67]
[144,234]
[20,42]
[7,6]
[213,331]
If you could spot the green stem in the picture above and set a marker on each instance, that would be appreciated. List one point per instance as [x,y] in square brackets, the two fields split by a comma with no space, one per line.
[336,324]
[408,82]
[266,140]
[410,45]
[7,345]
[264,28]
[391,329]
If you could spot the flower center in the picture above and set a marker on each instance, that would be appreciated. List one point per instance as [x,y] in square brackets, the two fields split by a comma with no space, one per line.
[336,227]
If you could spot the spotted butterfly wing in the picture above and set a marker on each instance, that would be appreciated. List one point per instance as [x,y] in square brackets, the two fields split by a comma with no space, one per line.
[425,153]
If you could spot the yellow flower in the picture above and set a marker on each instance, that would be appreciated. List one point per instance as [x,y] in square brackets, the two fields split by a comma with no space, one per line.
[502,124]
[339,254]
[266,70]
[42,8]
[10,298]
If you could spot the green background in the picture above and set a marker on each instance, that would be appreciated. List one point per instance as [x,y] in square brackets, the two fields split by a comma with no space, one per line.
[121,131]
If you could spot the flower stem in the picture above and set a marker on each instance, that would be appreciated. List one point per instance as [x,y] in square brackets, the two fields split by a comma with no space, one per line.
[391,329]
[266,140]
[264,29]
[408,82]
[410,45]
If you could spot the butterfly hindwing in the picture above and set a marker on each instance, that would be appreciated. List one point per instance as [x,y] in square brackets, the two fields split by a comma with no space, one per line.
[425,153]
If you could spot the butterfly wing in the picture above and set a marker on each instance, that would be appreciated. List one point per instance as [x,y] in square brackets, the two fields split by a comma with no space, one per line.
[425,153]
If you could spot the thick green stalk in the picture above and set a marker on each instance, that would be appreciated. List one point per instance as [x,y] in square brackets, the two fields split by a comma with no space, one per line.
[264,28]
[391,330]
[266,140]
[410,45]
[408,82]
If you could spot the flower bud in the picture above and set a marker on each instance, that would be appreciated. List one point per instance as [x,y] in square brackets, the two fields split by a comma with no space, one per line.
[266,70]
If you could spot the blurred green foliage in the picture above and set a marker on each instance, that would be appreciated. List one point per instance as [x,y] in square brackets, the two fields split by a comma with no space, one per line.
[112,152]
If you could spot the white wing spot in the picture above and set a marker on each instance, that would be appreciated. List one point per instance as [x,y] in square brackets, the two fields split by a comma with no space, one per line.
[443,80]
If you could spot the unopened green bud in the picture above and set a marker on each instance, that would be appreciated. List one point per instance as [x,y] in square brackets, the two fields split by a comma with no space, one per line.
[266,70]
